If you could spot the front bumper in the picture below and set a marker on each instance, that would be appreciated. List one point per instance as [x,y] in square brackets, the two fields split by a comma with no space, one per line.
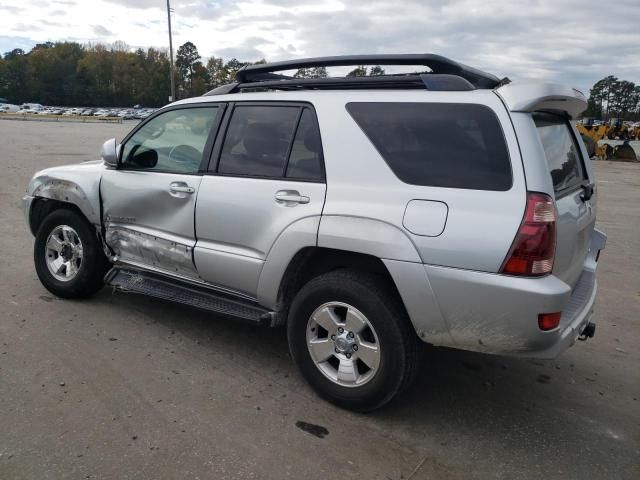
[495,313]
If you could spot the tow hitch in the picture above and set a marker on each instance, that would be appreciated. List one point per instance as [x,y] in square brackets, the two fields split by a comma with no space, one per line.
[588,332]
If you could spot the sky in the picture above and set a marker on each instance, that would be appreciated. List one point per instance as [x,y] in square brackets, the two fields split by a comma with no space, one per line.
[567,41]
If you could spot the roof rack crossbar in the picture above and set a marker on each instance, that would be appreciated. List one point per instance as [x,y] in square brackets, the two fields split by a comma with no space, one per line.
[436,63]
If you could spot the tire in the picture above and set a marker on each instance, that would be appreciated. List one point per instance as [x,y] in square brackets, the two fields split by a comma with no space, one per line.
[357,296]
[83,273]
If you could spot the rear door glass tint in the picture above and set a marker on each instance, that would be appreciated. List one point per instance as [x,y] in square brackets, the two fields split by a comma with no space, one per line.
[305,161]
[257,140]
[438,144]
[560,149]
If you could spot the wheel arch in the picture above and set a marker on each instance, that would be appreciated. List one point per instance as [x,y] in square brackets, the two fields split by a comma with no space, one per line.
[310,262]
[71,185]
[41,207]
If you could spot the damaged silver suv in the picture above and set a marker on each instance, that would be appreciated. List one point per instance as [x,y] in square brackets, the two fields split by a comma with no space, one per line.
[366,214]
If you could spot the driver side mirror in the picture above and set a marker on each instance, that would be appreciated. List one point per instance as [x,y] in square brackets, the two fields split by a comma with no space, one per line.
[109,153]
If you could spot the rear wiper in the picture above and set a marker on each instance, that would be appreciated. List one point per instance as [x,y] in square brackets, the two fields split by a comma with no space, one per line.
[588,190]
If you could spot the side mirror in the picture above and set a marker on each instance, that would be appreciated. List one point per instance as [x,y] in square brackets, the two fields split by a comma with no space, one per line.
[109,152]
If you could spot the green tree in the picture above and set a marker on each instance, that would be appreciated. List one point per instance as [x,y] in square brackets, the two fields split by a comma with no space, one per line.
[376,70]
[199,79]
[186,57]
[232,67]
[359,71]
[218,74]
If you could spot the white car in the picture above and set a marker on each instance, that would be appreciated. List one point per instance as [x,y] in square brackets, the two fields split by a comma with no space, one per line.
[9,108]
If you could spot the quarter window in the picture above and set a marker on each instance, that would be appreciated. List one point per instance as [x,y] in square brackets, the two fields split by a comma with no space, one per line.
[438,144]
[560,150]
[305,161]
[173,141]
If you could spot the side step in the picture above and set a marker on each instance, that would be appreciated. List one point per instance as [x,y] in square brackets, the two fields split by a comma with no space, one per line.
[179,291]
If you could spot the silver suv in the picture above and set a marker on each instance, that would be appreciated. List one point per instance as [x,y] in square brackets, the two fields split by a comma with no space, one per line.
[366,214]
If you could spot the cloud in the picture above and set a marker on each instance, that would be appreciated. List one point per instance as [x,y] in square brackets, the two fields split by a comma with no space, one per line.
[101,31]
[568,41]
[247,54]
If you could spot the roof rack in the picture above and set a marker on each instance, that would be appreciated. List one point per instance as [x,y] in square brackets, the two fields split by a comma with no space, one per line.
[446,74]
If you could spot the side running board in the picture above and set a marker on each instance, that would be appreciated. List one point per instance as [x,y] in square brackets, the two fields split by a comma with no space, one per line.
[179,291]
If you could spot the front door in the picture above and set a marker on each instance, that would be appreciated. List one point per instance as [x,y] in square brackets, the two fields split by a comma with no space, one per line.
[266,176]
[149,201]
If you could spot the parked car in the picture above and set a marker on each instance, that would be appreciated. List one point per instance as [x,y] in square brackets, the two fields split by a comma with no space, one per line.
[9,108]
[452,209]
[32,107]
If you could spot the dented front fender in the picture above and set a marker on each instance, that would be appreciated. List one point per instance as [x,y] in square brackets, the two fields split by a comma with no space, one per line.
[77,184]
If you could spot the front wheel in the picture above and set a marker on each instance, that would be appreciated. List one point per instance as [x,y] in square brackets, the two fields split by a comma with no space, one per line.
[68,255]
[352,340]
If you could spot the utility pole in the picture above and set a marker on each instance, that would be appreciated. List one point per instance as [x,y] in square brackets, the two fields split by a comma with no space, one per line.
[172,98]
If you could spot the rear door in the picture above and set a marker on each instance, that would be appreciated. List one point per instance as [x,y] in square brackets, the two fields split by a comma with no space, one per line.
[576,212]
[149,201]
[267,172]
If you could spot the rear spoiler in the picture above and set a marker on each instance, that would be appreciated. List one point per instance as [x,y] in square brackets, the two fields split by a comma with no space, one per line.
[547,97]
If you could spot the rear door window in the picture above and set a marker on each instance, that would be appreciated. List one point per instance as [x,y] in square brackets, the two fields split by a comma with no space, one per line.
[561,152]
[273,141]
[258,140]
[438,144]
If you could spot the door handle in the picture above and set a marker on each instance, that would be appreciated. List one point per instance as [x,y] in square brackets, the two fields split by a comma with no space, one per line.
[181,187]
[290,197]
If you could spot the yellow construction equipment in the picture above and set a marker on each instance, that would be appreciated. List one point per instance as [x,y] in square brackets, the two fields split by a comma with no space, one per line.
[596,138]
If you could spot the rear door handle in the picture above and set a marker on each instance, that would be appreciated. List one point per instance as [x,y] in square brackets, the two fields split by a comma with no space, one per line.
[181,187]
[290,197]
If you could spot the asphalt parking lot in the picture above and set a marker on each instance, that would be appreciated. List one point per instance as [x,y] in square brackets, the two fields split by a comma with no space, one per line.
[120,387]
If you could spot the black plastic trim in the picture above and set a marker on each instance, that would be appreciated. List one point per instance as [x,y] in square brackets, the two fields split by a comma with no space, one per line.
[436,63]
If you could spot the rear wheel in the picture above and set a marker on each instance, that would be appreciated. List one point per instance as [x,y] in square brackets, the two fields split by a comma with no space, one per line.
[352,340]
[68,255]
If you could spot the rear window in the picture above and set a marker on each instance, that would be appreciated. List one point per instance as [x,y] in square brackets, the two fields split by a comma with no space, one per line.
[438,144]
[561,151]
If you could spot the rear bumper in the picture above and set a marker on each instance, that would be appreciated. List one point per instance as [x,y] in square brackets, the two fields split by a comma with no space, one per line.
[495,313]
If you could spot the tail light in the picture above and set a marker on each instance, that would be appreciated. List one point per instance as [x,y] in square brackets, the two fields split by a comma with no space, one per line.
[534,247]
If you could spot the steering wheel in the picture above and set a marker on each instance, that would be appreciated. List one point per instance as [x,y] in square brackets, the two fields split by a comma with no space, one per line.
[185,154]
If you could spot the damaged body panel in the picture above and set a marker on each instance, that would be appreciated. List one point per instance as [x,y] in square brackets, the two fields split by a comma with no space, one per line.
[148,224]
[77,184]
[140,248]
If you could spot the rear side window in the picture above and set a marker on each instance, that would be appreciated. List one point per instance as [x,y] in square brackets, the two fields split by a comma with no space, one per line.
[273,141]
[257,141]
[561,151]
[438,144]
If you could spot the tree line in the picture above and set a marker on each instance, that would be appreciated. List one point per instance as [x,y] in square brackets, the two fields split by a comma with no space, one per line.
[613,98]
[68,73]
[71,74]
